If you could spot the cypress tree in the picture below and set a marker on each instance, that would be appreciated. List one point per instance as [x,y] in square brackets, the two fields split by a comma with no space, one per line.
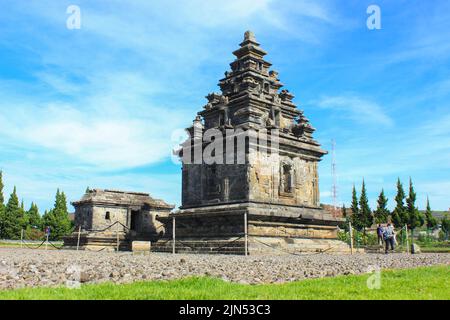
[445,223]
[2,199]
[58,218]
[381,214]
[365,212]
[413,214]
[355,218]
[354,207]
[2,205]
[34,219]
[23,216]
[431,221]
[398,215]
[12,222]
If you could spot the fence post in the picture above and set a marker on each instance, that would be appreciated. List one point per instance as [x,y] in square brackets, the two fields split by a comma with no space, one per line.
[407,240]
[173,235]
[351,236]
[79,234]
[46,240]
[246,233]
[21,238]
[117,234]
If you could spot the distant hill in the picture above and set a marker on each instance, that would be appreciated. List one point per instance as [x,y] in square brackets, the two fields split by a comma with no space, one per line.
[437,214]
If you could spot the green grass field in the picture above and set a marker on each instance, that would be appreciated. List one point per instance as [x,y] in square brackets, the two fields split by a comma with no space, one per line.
[417,284]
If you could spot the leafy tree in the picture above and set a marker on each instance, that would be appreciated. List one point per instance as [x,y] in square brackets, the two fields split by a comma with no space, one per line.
[431,221]
[413,214]
[12,220]
[34,219]
[58,218]
[365,212]
[381,214]
[399,213]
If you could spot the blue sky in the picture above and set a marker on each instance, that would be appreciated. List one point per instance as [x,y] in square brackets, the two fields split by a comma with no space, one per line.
[98,106]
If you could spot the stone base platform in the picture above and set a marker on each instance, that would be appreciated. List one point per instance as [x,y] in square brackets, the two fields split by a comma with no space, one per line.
[256,246]
[271,229]
[101,241]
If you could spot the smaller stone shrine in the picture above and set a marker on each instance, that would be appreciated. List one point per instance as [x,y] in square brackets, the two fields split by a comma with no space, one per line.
[107,217]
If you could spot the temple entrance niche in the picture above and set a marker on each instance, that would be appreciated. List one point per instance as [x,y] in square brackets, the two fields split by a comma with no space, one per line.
[286,179]
[135,219]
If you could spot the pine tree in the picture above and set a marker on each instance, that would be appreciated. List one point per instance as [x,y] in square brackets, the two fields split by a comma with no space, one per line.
[356,217]
[34,219]
[58,218]
[445,223]
[2,205]
[431,221]
[12,218]
[354,207]
[2,199]
[23,216]
[398,215]
[413,214]
[365,212]
[344,211]
[381,214]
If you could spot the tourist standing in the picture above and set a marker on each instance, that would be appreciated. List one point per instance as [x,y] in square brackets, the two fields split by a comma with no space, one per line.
[380,234]
[388,235]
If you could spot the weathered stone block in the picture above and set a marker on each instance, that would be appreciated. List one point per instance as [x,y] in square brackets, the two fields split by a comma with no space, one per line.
[141,246]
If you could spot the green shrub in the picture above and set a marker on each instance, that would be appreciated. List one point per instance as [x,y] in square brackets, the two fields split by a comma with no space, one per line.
[33,234]
[359,238]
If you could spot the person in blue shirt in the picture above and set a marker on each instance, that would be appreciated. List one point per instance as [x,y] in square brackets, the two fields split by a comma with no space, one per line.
[388,236]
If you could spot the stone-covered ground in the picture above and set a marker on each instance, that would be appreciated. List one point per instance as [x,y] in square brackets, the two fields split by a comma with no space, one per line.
[24,267]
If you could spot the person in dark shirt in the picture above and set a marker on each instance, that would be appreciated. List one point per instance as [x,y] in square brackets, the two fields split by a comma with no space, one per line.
[380,234]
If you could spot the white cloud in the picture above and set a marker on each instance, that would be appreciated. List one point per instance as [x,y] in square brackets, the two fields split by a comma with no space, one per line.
[357,109]
[114,126]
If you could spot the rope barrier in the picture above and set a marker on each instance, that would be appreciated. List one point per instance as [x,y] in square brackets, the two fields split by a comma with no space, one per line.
[292,253]
[185,244]
[228,243]
[73,229]
[58,248]
[96,250]
[102,230]
[268,245]
[40,245]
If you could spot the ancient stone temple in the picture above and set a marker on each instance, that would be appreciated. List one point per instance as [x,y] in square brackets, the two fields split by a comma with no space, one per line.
[106,216]
[261,192]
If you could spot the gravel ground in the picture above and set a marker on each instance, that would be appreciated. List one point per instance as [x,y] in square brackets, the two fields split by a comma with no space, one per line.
[24,267]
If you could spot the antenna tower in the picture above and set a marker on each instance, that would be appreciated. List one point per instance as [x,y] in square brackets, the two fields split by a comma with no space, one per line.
[334,191]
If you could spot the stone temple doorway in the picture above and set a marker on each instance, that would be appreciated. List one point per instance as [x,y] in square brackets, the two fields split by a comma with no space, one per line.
[134,220]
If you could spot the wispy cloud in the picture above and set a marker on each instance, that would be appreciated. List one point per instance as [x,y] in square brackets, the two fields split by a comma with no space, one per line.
[357,109]
[113,129]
